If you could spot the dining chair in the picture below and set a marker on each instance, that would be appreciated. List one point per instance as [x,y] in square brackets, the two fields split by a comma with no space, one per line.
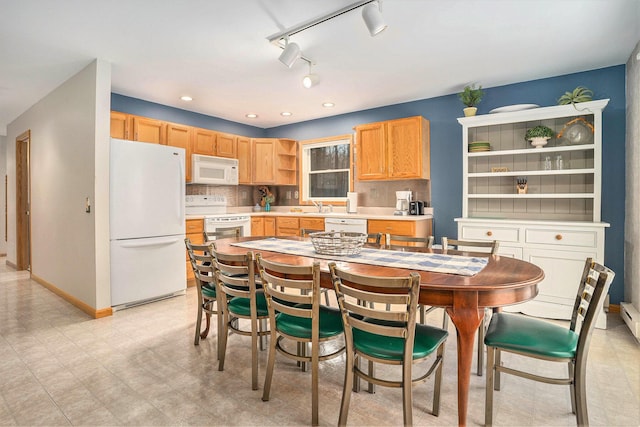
[202,265]
[235,279]
[406,243]
[296,315]
[386,336]
[222,233]
[473,248]
[304,232]
[539,339]
[374,238]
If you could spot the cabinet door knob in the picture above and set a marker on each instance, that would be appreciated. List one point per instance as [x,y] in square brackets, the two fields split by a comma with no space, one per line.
[489,233]
[558,236]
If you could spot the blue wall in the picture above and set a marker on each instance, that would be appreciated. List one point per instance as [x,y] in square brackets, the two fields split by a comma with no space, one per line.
[446,142]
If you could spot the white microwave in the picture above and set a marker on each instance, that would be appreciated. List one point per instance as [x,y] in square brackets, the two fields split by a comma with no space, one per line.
[214,170]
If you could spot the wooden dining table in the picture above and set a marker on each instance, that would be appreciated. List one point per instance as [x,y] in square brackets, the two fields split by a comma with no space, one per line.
[503,281]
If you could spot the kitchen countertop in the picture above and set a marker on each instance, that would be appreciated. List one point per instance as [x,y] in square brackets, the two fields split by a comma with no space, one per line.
[367,213]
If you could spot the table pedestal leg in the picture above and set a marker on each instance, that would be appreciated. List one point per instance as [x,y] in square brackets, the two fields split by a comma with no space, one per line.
[466,316]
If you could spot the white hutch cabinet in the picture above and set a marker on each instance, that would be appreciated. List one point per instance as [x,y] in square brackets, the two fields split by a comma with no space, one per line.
[556,223]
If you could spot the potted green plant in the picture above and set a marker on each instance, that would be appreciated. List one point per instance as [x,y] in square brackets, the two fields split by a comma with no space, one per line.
[539,135]
[579,94]
[471,96]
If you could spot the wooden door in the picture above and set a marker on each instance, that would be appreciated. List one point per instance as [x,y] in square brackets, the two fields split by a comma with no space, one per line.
[404,148]
[148,130]
[244,150]
[257,226]
[23,202]
[371,152]
[226,145]
[204,142]
[119,125]
[180,136]
[263,161]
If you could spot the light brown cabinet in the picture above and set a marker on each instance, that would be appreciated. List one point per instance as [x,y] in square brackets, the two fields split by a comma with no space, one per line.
[422,228]
[194,229]
[394,149]
[148,130]
[244,150]
[226,145]
[274,161]
[204,142]
[257,226]
[316,224]
[180,136]
[287,226]
[264,150]
[269,226]
[120,125]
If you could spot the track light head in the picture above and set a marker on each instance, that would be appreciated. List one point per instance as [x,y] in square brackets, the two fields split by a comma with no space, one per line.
[310,80]
[290,54]
[373,18]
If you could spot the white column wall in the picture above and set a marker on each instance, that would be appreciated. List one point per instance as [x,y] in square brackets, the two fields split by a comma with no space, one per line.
[632,199]
[69,162]
[3,195]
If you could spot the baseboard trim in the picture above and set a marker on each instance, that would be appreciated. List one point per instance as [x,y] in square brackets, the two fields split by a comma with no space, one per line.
[614,308]
[10,264]
[96,314]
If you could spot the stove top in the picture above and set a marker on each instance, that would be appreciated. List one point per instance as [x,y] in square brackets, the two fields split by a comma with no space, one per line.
[213,204]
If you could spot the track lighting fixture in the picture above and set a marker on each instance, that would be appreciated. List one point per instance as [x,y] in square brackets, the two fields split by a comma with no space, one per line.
[372,17]
[310,79]
[290,53]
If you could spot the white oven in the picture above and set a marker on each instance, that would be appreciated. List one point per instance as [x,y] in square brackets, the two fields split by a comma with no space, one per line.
[222,222]
[214,210]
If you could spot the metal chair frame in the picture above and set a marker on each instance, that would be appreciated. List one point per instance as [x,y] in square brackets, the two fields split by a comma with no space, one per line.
[303,301]
[202,265]
[594,286]
[222,233]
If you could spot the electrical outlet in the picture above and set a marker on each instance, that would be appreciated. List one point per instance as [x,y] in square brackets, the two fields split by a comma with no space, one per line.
[295,194]
[243,195]
[374,193]
[288,195]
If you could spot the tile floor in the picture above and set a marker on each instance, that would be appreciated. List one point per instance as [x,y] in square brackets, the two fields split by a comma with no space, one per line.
[139,367]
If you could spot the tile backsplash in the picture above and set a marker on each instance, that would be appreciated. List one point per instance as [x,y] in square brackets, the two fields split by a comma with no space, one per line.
[371,193]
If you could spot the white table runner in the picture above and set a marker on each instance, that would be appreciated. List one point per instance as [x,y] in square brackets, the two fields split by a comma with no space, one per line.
[423,261]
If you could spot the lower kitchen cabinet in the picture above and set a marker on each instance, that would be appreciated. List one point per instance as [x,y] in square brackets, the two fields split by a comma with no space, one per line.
[559,248]
[194,230]
[287,226]
[316,224]
[257,226]
[418,228]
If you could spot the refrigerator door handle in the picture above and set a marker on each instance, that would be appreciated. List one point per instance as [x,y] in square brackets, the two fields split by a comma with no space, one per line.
[155,242]
[182,189]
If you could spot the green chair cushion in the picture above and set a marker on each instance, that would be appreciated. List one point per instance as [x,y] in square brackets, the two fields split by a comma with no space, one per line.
[531,336]
[427,339]
[241,306]
[330,324]
[209,291]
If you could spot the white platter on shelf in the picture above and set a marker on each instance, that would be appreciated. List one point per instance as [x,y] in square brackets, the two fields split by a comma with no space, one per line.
[516,107]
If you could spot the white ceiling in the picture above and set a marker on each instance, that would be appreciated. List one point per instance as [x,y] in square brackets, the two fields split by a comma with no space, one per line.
[216,50]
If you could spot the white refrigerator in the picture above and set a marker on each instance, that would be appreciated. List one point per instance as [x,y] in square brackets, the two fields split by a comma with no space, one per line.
[147,222]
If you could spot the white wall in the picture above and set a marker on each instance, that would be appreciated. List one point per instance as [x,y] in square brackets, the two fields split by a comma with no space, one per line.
[632,199]
[69,162]
[3,196]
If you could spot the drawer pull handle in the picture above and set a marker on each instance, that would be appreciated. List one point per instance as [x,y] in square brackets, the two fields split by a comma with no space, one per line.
[489,233]
[558,236]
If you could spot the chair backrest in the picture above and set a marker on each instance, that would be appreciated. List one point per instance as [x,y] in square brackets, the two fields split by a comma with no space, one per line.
[292,289]
[396,241]
[304,232]
[235,273]
[356,304]
[201,263]
[594,286]
[457,247]
[222,233]
[374,238]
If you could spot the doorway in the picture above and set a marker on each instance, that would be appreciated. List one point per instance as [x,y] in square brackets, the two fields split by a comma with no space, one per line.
[23,202]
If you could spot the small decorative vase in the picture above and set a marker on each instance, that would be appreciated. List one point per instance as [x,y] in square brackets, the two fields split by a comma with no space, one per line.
[539,141]
[470,111]
[267,207]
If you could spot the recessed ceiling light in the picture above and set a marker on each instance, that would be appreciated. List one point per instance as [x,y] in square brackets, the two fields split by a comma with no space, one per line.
[285,113]
[328,104]
[251,116]
[186,98]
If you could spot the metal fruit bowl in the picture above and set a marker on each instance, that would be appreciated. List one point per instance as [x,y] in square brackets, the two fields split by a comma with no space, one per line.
[338,242]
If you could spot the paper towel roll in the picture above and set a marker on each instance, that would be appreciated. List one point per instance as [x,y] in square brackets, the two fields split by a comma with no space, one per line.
[352,202]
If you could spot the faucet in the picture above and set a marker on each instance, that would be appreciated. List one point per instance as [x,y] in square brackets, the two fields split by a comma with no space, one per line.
[317,205]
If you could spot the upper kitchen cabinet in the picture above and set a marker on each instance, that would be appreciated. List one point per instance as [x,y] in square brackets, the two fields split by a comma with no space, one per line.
[180,136]
[204,142]
[120,125]
[148,130]
[274,161]
[244,160]
[394,149]
[226,145]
